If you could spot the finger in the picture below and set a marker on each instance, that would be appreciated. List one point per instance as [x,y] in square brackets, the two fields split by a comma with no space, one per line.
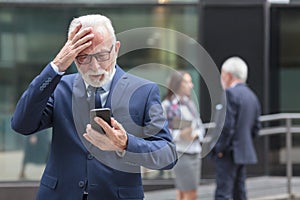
[121,136]
[75,30]
[87,137]
[80,40]
[95,135]
[111,132]
[98,143]
[88,128]
[117,135]
[81,34]
[101,122]
[117,125]
[83,47]
[105,126]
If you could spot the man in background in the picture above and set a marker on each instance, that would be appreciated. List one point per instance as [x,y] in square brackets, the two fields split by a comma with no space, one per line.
[235,147]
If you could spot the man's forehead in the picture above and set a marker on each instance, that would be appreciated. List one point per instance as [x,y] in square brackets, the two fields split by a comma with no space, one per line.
[99,41]
[98,38]
[96,42]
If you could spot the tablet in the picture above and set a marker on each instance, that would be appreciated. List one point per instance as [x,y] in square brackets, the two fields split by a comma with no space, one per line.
[177,123]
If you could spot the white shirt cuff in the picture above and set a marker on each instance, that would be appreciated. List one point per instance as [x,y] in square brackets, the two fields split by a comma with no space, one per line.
[55,68]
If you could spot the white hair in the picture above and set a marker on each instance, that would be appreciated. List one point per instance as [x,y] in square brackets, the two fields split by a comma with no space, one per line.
[237,67]
[96,21]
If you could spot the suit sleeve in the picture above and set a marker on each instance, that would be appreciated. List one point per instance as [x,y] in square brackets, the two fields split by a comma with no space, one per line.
[34,109]
[225,139]
[156,151]
[257,124]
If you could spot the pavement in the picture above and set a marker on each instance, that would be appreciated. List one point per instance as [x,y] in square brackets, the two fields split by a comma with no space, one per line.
[10,167]
[258,188]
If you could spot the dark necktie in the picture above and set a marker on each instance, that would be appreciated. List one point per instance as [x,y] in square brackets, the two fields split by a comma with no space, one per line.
[98,103]
[94,98]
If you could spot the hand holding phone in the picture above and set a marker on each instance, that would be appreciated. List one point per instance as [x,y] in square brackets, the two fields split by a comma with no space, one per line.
[103,113]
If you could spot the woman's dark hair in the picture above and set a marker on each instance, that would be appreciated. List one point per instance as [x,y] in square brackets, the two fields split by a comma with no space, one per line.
[174,83]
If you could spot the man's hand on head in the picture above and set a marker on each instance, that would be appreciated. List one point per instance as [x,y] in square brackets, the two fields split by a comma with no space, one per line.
[78,40]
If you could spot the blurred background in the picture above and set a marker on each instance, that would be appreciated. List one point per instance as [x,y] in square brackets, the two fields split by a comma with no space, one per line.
[265,33]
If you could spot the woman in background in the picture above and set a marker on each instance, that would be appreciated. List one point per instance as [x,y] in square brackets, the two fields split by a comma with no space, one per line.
[187,130]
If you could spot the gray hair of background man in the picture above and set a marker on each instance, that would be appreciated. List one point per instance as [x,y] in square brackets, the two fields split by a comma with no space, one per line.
[237,67]
[96,21]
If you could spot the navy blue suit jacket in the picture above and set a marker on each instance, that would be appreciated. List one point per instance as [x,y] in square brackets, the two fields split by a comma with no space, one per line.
[74,165]
[241,125]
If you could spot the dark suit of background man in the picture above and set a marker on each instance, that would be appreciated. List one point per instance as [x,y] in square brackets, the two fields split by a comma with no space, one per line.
[83,163]
[235,146]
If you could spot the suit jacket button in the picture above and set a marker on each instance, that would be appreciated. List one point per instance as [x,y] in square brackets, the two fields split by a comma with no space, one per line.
[90,156]
[81,184]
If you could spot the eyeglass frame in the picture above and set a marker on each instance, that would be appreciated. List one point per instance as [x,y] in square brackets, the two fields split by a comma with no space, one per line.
[90,56]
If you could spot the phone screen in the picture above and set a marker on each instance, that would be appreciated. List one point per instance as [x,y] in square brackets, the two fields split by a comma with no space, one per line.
[103,113]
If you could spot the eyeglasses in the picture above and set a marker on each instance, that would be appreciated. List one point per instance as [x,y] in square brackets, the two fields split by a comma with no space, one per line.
[100,57]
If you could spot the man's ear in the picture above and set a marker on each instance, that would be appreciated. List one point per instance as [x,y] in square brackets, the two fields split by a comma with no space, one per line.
[117,46]
[230,77]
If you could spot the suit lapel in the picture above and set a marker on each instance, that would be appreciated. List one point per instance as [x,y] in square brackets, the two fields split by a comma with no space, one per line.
[119,83]
[80,107]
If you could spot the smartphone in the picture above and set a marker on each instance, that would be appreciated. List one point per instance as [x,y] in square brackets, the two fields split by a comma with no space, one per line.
[103,113]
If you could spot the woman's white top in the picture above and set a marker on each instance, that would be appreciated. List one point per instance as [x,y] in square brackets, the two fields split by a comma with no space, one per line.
[184,110]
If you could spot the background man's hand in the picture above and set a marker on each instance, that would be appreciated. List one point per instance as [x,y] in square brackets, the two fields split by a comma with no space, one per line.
[78,40]
[220,155]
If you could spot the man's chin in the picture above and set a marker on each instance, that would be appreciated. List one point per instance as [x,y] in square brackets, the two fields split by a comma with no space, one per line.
[96,84]
[96,81]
